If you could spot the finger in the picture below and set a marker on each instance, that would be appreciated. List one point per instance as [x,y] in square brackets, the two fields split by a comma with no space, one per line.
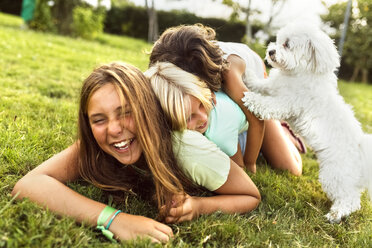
[160,236]
[170,219]
[178,218]
[179,211]
[184,218]
[165,229]
[153,240]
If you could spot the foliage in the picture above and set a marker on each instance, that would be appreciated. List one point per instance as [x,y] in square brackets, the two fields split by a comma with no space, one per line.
[73,17]
[42,20]
[62,12]
[87,23]
[133,21]
[357,52]
[121,3]
[40,78]
[259,48]
[245,10]
[127,20]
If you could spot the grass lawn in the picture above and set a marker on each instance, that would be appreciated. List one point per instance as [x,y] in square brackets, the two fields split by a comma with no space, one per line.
[40,78]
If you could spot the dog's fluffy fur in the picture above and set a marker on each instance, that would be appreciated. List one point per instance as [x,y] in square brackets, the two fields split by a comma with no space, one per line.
[302,90]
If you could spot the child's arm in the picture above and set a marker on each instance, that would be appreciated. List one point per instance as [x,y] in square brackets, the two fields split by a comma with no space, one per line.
[45,185]
[238,157]
[237,195]
[239,160]
[235,87]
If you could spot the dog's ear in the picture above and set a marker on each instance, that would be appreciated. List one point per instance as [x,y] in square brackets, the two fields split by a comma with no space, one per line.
[323,54]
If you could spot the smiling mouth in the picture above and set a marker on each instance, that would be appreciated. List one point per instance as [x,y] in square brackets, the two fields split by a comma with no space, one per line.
[123,145]
[203,126]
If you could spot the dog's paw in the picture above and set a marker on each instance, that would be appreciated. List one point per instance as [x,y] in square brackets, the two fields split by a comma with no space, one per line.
[334,217]
[250,78]
[250,100]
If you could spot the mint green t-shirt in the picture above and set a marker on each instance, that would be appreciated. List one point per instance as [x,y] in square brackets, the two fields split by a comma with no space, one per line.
[200,159]
[226,122]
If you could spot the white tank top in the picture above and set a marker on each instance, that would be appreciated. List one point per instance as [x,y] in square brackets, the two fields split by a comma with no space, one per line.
[252,60]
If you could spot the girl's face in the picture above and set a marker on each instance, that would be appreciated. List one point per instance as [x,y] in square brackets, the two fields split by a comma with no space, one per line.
[113,126]
[197,117]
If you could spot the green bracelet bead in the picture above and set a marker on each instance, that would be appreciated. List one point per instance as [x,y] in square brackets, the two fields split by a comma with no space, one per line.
[104,215]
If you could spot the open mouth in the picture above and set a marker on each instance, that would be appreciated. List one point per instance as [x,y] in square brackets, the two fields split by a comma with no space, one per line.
[123,145]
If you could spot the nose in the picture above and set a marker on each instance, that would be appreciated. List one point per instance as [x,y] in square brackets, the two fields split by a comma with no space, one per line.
[115,127]
[271,52]
[203,117]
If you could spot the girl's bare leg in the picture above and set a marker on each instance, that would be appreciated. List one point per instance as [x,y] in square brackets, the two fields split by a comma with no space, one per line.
[278,149]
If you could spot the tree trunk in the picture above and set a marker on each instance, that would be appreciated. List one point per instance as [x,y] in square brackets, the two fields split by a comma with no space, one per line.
[248,26]
[152,34]
[364,75]
[355,74]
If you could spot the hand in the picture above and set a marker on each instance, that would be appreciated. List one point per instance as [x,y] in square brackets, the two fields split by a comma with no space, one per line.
[127,226]
[184,208]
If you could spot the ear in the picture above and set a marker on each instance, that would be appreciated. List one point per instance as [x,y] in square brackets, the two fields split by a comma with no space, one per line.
[323,54]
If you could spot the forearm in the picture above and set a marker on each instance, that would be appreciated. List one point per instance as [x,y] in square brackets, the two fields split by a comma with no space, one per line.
[255,135]
[57,197]
[227,204]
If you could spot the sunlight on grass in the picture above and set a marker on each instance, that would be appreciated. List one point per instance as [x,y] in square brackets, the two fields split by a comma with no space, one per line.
[40,78]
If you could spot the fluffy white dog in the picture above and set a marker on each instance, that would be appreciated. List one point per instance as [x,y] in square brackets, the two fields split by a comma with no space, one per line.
[302,90]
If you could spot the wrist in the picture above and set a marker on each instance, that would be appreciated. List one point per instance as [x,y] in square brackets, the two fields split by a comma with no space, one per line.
[197,203]
[105,219]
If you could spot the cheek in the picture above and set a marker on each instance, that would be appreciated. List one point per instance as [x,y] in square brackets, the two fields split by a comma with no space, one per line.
[191,125]
[130,125]
[99,134]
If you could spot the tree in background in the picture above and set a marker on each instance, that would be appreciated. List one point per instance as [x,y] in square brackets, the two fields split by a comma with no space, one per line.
[72,17]
[357,52]
[153,32]
[276,7]
[42,18]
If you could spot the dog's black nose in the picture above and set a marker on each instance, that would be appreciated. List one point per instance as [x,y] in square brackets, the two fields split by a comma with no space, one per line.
[271,52]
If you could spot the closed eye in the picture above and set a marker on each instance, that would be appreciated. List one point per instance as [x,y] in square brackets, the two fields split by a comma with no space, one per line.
[125,113]
[98,121]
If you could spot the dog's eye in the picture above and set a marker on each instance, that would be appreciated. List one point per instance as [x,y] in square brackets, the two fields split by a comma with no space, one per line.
[286,44]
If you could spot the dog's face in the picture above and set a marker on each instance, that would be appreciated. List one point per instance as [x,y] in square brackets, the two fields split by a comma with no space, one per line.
[303,48]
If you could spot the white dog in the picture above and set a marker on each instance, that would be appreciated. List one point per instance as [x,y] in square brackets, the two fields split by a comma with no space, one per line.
[302,90]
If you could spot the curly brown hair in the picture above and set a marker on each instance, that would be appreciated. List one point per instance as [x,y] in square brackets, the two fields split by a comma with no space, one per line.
[193,49]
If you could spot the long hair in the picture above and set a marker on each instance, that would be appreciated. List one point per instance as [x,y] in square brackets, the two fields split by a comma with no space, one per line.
[157,165]
[173,86]
[193,49]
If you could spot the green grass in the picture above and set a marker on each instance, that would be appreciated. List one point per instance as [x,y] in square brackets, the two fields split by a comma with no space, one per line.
[40,77]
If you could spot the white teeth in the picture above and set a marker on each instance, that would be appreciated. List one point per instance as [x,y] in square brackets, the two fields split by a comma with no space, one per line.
[123,144]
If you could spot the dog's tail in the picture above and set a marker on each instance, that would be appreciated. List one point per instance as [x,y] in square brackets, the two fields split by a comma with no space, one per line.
[367,149]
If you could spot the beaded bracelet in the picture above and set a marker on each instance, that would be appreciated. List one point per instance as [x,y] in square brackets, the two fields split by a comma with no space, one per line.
[103,217]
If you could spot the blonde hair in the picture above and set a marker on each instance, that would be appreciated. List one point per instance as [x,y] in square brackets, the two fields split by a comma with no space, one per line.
[172,86]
